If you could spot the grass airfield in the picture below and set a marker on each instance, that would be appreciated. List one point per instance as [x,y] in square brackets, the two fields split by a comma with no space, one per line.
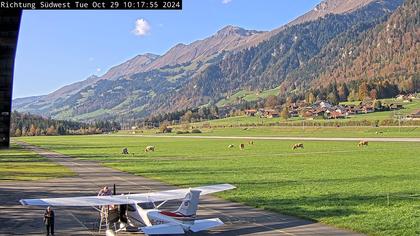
[373,190]
[20,164]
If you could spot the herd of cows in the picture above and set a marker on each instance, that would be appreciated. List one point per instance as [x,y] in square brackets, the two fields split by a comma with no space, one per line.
[241,146]
[147,149]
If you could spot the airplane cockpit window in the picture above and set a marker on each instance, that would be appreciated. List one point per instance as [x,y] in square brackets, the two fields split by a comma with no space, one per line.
[146,205]
[131,208]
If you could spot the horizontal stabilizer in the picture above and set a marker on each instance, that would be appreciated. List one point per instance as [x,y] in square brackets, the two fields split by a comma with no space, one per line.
[200,225]
[163,229]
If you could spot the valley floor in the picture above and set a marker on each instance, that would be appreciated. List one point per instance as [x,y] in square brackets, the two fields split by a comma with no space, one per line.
[90,176]
[372,190]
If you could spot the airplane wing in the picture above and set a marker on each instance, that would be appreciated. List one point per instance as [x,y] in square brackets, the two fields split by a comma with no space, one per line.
[125,199]
[76,201]
[177,193]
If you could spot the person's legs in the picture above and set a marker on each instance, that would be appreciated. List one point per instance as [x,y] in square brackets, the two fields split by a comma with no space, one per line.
[52,228]
[47,226]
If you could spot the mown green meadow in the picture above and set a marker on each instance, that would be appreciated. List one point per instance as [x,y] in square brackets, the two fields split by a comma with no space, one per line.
[17,163]
[303,131]
[373,190]
[326,132]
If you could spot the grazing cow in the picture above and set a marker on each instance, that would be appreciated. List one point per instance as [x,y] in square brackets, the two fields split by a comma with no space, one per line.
[125,151]
[231,146]
[298,145]
[242,146]
[379,132]
[362,143]
[251,142]
[149,149]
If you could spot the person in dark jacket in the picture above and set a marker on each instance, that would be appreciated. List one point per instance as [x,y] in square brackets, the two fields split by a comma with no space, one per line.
[49,220]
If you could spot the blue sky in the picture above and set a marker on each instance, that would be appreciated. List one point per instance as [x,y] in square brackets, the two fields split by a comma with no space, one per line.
[57,48]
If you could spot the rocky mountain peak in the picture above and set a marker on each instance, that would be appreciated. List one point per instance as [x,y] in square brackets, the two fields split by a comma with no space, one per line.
[339,6]
[232,30]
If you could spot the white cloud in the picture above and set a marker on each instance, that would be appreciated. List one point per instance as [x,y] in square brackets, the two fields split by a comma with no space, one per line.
[98,69]
[226,1]
[142,27]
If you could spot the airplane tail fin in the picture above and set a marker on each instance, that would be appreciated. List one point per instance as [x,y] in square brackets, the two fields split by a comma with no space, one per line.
[189,205]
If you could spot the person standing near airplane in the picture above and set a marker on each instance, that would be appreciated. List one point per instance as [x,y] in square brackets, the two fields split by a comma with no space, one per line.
[49,221]
[105,191]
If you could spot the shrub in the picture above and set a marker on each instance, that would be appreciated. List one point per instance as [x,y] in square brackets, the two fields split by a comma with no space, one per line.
[182,132]
[167,130]
[196,131]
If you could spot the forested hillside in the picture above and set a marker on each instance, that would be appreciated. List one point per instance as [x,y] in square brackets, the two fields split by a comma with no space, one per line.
[389,51]
[291,59]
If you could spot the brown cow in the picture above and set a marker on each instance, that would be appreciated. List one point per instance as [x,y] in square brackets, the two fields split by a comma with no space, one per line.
[298,145]
[242,146]
[362,143]
[251,142]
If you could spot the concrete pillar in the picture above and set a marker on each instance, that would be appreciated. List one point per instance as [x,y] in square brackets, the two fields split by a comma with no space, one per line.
[9,31]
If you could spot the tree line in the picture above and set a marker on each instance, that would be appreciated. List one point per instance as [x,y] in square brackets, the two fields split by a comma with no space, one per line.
[25,124]
[183,116]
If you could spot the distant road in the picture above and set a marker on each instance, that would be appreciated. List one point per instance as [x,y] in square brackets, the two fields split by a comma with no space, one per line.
[279,138]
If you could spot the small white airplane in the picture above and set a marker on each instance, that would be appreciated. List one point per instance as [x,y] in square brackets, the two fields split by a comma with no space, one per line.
[140,211]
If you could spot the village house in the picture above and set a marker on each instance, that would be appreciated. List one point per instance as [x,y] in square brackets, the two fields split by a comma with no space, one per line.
[264,113]
[294,109]
[400,97]
[352,110]
[309,115]
[368,109]
[271,113]
[395,106]
[250,112]
[405,98]
[319,113]
[293,113]
[335,115]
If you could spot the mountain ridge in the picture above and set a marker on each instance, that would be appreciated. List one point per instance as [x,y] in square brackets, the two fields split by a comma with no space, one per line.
[327,6]
[188,75]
